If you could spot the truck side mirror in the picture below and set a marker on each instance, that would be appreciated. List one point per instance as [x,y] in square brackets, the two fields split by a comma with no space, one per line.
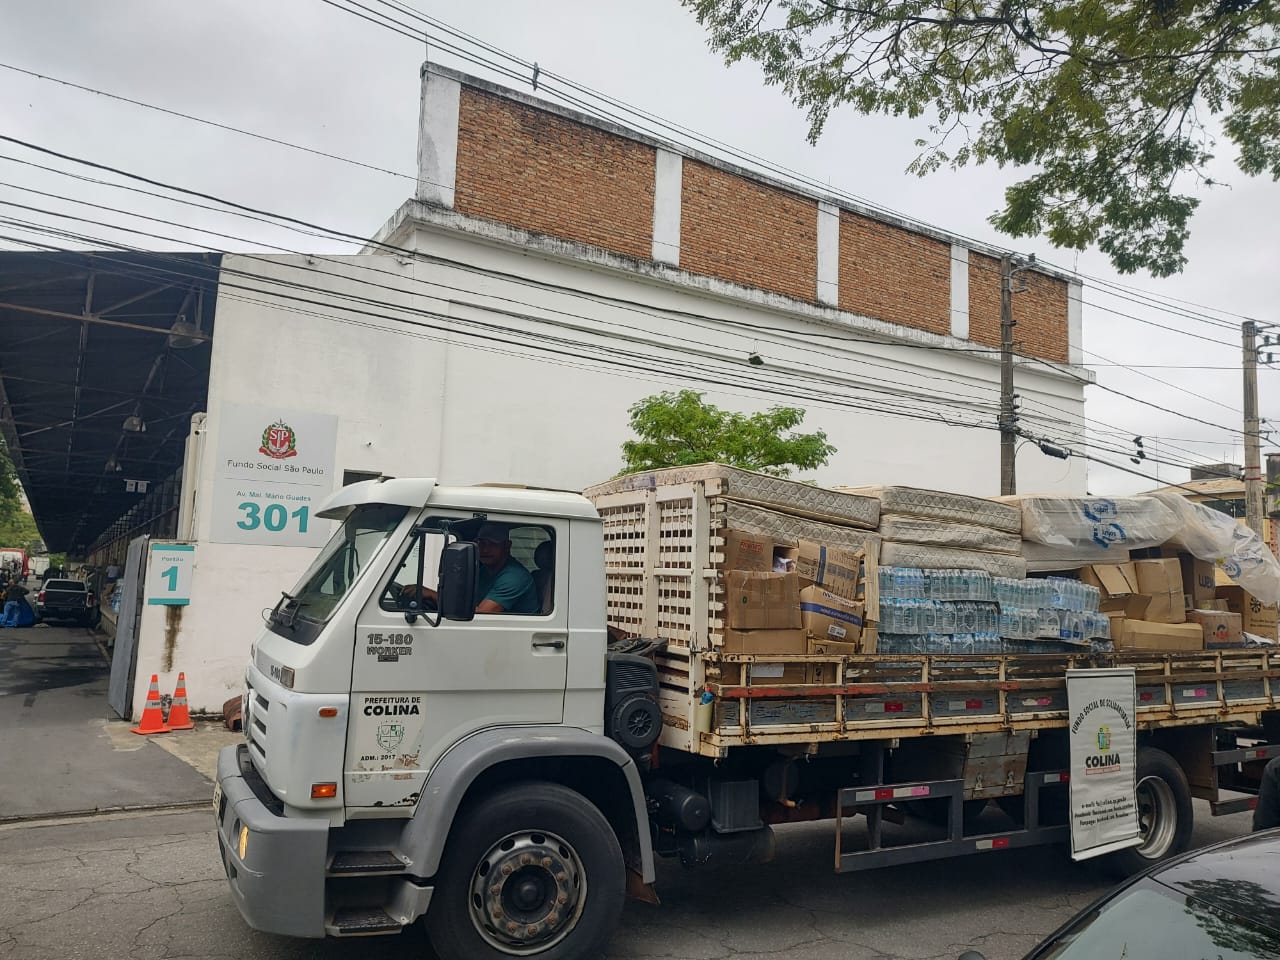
[458,574]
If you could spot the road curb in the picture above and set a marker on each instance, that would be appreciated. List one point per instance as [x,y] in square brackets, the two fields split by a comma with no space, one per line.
[40,819]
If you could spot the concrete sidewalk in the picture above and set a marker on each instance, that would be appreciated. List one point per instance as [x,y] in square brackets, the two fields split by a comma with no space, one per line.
[62,748]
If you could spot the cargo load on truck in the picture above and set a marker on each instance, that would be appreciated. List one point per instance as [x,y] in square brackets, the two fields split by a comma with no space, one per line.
[795,613]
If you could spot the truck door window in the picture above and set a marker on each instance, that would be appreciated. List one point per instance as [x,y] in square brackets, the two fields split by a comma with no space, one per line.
[522,583]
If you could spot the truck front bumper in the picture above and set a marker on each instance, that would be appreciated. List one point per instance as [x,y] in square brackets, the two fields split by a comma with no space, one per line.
[276,870]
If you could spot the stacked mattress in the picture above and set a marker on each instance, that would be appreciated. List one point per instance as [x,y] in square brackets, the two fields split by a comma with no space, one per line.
[934,530]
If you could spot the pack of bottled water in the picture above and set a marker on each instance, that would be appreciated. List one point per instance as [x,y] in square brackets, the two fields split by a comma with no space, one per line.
[970,611]
[1074,596]
[914,617]
[910,583]
[934,644]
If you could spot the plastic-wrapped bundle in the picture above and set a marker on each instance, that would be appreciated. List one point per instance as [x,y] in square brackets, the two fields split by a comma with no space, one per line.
[912,583]
[1097,523]
[1214,536]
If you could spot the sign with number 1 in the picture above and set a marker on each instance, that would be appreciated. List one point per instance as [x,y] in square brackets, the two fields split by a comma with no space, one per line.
[169,570]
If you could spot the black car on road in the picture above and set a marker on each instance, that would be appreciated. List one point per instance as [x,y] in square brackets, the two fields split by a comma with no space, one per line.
[1221,902]
[68,600]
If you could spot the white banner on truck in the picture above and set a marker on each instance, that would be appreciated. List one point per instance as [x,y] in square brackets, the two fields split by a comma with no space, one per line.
[1104,757]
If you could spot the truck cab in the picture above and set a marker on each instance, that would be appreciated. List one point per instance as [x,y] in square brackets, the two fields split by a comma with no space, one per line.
[415,748]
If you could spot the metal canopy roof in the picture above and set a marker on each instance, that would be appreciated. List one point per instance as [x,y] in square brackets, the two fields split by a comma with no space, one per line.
[104,357]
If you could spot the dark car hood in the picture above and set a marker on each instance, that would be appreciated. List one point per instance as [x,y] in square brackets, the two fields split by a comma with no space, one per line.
[1240,877]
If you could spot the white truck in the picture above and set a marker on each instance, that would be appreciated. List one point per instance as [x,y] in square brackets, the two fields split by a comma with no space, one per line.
[509,778]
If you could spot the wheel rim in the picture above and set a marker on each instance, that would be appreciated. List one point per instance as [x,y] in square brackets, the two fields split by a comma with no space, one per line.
[527,892]
[1157,817]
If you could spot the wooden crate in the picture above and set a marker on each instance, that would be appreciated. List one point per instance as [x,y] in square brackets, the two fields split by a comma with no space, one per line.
[664,560]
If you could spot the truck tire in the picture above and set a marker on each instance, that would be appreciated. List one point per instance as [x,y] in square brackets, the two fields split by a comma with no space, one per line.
[550,846]
[1164,813]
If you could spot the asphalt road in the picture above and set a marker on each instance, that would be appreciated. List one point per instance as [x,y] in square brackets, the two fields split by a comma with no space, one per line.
[62,750]
[149,887]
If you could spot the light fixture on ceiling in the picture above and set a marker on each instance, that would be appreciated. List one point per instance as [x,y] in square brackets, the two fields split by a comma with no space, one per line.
[134,424]
[184,333]
[113,465]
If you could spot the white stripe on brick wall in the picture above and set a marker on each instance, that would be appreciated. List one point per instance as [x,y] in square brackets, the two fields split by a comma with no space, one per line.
[1075,323]
[959,291]
[667,182]
[829,254]
[438,139]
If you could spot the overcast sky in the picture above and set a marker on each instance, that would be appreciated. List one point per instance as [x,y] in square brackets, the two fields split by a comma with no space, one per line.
[305,72]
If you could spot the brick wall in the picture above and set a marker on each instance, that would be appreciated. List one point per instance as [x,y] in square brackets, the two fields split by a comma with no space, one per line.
[540,172]
[748,233]
[891,274]
[1040,311]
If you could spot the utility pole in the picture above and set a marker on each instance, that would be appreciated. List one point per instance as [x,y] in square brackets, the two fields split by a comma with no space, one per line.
[1252,454]
[1008,414]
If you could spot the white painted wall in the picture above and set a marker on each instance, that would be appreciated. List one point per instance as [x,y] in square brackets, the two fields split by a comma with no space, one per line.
[443,382]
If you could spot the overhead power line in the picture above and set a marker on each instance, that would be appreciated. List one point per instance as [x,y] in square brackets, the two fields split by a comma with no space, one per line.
[1143,298]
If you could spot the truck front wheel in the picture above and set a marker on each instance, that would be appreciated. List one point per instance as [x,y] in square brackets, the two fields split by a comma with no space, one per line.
[532,871]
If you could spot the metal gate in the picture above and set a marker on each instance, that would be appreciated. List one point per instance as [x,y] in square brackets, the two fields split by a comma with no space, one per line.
[124,657]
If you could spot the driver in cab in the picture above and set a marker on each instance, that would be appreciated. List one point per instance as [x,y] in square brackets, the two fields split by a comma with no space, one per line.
[503,584]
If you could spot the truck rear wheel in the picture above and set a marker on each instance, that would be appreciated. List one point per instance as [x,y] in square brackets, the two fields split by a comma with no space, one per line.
[533,871]
[1164,813]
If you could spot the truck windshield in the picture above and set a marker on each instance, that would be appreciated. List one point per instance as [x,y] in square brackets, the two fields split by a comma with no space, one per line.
[351,549]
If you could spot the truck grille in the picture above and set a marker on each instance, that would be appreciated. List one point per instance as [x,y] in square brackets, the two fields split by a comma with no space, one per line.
[255,721]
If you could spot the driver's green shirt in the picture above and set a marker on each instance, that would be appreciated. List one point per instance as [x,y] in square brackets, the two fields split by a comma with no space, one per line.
[511,587]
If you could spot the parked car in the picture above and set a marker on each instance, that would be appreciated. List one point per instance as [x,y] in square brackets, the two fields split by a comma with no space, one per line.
[1219,903]
[68,600]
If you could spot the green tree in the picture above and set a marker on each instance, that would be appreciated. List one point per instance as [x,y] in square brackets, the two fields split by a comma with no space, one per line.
[10,493]
[1112,105]
[675,429]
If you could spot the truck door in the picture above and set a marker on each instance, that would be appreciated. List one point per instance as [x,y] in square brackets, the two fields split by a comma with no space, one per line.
[417,689]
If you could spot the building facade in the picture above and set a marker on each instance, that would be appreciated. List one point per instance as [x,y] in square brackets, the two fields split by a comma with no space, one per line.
[552,270]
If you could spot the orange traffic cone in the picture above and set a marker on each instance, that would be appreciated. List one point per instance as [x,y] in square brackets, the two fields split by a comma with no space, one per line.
[152,714]
[179,716]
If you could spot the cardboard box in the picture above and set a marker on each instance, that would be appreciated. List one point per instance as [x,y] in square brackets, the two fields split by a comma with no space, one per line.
[764,674]
[1131,605]
[1256,617]
[1162,581]
[837,571]
[747,551]
[1198,581]
[762,601]
[1145,635]
[1118,584]
[829,617]
[1221,630]
[870,634]
[764,641]
[826,672]
[1112,579]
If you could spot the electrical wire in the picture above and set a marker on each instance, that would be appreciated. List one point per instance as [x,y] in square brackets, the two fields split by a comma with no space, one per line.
[1147,298]
[296,222]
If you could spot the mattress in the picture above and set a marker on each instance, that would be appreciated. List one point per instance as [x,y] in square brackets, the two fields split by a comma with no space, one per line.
[786,496]
[894,554]
[1042,559]
[937,505]
[1065,522]
[785,528]
[939,533]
